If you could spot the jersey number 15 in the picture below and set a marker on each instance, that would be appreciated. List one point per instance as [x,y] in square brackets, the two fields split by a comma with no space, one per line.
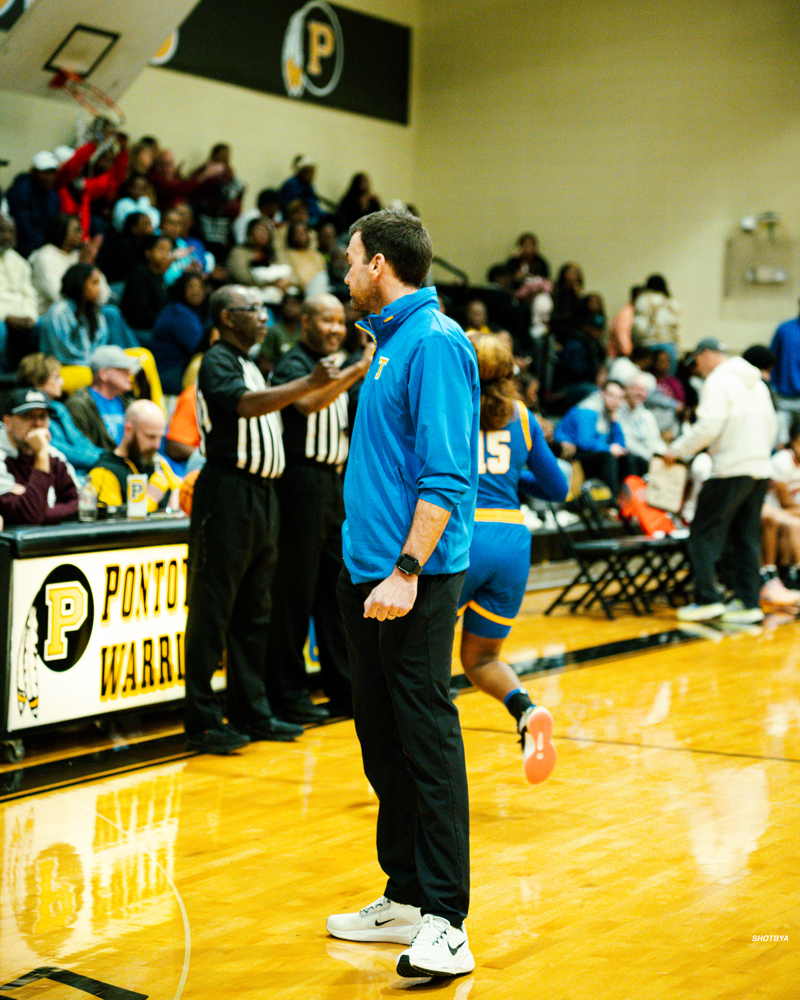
[494,452]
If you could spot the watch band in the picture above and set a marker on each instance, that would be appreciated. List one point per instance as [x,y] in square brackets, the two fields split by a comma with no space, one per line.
[409,565]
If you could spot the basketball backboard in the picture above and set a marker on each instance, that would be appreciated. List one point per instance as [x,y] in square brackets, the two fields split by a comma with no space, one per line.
[107,41]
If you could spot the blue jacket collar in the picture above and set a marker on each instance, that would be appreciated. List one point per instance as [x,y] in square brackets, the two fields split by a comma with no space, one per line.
[384,324]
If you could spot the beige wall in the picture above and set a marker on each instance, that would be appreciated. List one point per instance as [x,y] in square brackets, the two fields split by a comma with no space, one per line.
[630,137]
[189,115]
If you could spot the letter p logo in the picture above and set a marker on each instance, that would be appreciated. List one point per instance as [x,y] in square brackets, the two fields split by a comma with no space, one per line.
[321,44]
[67,608]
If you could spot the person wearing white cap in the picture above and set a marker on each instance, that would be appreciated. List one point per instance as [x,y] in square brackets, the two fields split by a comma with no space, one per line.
[63,153]
[32,202]
[301,185]
[736,423]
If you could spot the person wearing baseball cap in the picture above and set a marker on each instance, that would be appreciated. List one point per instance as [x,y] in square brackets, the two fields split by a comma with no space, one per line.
[99,409]
[301,185]
[710,344]
[36,484]
[737,425]
[32,201]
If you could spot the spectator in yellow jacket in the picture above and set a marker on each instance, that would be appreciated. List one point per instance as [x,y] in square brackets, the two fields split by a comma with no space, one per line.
[137,453]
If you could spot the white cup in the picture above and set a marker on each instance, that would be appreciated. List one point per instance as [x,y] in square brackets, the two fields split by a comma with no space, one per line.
[137,495]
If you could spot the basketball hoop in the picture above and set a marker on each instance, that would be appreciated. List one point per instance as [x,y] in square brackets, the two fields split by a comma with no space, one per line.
[94,100]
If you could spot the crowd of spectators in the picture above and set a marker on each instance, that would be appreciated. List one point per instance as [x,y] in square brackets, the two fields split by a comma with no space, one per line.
[97,245]
[612,394]
[108,255]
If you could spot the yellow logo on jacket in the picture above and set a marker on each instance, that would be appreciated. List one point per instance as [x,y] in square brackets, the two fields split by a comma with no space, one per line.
[383,361]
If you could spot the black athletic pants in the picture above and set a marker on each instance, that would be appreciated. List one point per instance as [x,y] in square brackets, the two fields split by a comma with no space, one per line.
[609,468]
[309,563]
[728,519]
[232,551]
[411,743]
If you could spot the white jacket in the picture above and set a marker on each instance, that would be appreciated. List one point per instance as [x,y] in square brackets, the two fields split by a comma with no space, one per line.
[640,427]
[17,297]
[736,422]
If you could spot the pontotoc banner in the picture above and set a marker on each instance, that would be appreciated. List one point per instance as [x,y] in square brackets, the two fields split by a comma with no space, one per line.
[96,632]
[312,52]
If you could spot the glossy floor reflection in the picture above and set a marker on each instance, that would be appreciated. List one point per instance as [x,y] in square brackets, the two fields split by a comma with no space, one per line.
[659,860]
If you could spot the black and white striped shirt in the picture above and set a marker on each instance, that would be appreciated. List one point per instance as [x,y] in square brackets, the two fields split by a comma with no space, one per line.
[319,438]
[255,444]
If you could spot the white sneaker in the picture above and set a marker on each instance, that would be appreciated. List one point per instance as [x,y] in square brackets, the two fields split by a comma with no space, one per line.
[701,612]
[737,614]
[382,920]
[565,518]
[438,949]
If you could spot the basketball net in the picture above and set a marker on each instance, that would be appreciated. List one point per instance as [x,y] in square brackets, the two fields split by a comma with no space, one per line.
[94,100]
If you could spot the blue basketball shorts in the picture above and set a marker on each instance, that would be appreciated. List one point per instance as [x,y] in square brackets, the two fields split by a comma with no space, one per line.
[499,563]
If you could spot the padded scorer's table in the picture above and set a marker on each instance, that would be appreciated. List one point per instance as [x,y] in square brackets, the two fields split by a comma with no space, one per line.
[93,620]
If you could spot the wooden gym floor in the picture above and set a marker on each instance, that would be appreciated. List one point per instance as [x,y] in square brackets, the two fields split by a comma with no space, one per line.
[661,859]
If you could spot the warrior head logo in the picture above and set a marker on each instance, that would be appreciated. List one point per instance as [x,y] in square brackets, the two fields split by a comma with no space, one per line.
[56,633]
[313,51]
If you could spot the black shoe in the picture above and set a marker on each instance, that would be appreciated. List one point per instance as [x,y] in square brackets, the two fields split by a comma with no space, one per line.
[219,741]
[274,729]
[304,710]
[338,709]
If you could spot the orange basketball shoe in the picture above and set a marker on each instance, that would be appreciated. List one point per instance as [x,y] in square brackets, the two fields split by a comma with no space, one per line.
[538,752]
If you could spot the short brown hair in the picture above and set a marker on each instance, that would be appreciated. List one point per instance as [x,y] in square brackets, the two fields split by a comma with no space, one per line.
[495,371]
[401,238]
[35,369]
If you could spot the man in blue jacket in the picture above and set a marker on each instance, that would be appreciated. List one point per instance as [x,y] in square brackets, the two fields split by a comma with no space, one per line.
[786,376]
[591,433]
[409,495]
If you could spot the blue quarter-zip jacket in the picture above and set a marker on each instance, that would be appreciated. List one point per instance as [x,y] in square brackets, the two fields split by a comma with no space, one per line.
[415,437]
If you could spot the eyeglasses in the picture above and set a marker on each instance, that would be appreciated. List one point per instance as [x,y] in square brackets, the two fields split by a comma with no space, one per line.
[256,307]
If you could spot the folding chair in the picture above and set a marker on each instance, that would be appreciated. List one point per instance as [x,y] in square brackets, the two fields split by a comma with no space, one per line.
[668,571]
[608,567]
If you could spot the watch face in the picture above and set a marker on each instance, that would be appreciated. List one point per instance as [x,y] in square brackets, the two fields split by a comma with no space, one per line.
[408,564]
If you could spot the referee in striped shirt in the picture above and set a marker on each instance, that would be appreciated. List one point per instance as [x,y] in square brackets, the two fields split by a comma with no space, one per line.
[316,441]
[234,529]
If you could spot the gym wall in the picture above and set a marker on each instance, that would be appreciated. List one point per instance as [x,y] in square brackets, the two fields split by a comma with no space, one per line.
[631,137]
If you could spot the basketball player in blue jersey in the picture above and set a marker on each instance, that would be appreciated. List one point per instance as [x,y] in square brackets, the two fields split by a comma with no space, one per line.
[511,449]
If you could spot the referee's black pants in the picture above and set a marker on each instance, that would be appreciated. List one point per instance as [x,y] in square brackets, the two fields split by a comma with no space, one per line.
[411,743]
[309,563]
[232,551]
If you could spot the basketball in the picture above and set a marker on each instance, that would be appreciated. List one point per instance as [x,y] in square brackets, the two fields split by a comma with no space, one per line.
[187,491]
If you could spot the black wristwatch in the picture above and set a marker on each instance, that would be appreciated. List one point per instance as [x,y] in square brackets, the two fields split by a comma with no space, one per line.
[409,565]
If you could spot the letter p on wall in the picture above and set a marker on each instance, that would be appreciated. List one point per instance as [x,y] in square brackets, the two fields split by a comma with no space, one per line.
[321,44]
